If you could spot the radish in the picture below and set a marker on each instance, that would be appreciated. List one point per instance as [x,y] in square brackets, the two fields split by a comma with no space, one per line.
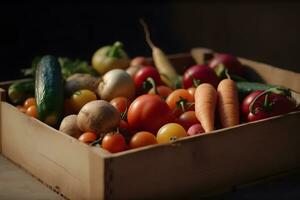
[195,129]
[223,61]
[198,74]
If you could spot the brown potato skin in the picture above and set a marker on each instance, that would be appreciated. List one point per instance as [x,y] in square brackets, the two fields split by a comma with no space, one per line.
[69,126]
[80,81]
[99,117]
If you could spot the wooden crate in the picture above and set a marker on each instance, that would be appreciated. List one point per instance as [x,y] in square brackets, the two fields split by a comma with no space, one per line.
[196,165]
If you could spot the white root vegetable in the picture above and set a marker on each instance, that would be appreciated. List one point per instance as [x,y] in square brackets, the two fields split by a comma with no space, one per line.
[116,83]
[161,61]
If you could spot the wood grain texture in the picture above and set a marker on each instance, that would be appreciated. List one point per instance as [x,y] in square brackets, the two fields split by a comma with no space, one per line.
[17,184]
[59,160]
[274,75]
[212,162]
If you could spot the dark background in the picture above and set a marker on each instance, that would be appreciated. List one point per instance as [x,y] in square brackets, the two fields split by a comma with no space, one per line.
[267,32]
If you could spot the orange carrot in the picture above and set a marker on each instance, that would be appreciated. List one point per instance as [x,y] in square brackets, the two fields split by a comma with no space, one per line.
[228,103]
[205,105]
[161,61]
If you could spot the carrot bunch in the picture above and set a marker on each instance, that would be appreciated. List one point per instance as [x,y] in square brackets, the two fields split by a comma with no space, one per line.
[224,99]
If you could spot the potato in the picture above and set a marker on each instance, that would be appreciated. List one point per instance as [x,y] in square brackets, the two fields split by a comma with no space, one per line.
[80,81]
[98,116]
[69,126]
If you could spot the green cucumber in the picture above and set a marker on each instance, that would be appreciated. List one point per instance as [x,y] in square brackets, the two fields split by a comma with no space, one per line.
[245,88]
[19,91]
[49,90]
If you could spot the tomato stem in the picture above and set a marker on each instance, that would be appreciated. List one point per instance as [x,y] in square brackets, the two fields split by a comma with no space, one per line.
[150,83]
[220,70]
[181,103]
[276,90]
[123,114]
[189,105]
[227,74]
[98,141]
[196,82]
[266,101]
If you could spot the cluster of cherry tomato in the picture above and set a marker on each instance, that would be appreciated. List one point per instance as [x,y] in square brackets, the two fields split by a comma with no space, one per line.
[29,107]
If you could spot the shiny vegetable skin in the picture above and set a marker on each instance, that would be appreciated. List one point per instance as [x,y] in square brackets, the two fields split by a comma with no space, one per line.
[49,90]
[21,90]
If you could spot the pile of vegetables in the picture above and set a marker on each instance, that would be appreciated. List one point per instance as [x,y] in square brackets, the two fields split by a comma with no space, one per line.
[120,103]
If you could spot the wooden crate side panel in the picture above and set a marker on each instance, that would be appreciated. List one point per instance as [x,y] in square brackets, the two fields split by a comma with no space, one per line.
[274,75]
[68,166]
[211,162]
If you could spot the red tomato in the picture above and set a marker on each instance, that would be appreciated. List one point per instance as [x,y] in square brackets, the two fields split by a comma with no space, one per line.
[32,111]
[148,112]
[88,137]
[114,142]
[247,101]
[140,79]
[125,130]
[262,114]
[179,101]
[123,124]
[267,105]
[120,103]
[187,119]
[141,139]
[162,90]
[198,74]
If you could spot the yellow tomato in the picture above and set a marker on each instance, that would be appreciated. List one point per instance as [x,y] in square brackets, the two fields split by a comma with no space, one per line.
[80,98]
[170,132]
